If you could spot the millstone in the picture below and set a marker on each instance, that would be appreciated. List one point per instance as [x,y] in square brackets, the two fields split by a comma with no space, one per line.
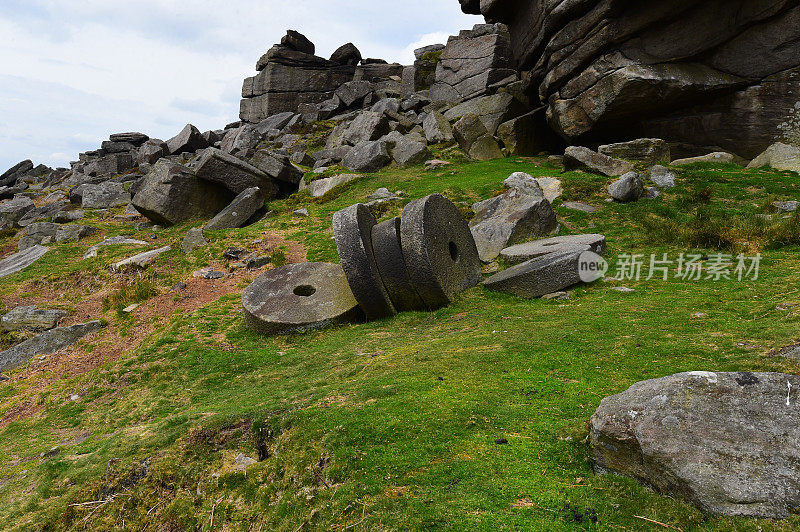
[556,244]
[392,267]
[439,250]
[352,229]
[299,297]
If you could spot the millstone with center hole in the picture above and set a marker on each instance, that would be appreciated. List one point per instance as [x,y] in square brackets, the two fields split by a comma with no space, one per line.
[352,229]
[299,297]
[439,250]
[392,267]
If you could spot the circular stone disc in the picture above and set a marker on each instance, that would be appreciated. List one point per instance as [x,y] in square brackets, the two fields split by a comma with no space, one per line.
[299,297]
[439,250]
[352,229]
[392,267]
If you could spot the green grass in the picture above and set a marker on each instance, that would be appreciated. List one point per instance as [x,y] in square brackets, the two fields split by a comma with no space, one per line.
[392,424]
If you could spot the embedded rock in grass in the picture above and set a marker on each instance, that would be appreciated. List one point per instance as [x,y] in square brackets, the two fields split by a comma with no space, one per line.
[112,241]
[352,229]
[241,210]
[662,176]
[716,157]
[21,260]
[142,260]
[584,159]
[649,151]
[320,187]
[188,140]
[193,239]
[557,244]
[727,442]
[299,297]
[45,343]
[507,219]
[392,267]
[438,249]
[537,277]
[31,318]
[627,188]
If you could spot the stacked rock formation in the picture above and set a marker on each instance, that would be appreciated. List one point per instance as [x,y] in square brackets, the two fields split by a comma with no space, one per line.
[719,73]
[417,262]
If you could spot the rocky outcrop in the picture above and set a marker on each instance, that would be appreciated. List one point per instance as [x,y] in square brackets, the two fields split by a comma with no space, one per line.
[719,73]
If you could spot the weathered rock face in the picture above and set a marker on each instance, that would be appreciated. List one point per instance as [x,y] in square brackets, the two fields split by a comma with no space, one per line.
[727,442]
[718,73]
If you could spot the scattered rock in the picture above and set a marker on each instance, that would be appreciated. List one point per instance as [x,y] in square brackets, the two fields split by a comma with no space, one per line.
[301,213]
[680,434]
[216,166]
[662,176]
[31,318]
[435,164]
[240,212]
[410,153]
[786,206]
[367,157]
[45,343]
[193,239]
[320,187]
[112,241]
[21,260]
[142,260]
[716,157]
[584,159]
[627,188]
[649,151]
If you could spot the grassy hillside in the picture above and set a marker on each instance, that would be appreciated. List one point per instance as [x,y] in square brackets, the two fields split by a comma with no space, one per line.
[391,424]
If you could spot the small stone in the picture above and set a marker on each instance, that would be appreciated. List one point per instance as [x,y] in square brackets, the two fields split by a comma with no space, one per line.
[194,239]
[213,274]
[662,176]
[302,213]
[560,296]
[501,441]
[130,308]
[579,206]
[435,164]
[180,285]
[786,206]
[627,188]
[623,289]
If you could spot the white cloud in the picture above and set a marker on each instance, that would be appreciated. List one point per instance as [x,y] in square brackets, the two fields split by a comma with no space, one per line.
[74,71]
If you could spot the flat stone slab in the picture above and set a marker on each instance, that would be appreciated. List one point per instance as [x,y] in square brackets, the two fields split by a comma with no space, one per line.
[352,230]
[727,442]
[439,250]
[31,318]
[45,343]
[320,187]
[21,260]
[112,241]
[142,260]
[579,206]
[299,297]
[392,266]
[240,211]
[537,277]
[557,244]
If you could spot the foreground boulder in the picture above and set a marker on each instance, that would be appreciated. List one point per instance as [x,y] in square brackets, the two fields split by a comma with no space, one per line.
[45,343]
[171,194]
[538,277]
[727,442]
[627,188]
[19,261]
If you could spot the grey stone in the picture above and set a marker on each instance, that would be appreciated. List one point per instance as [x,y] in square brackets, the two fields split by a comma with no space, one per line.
[216,166]
[534,278]
[386,104]
[151,151]
[320,187]
[779,156]
[297,41]
[557,244]
[31,318]
[193,239]
[275,122]
[353,92]
[301,213]
[439,250]
[551,187]
[524,184]
[299,297]
[45,343]
[240,211]
[112,241]
[12,211]
[411,153]
[662,176]
[74,233]
[142,260]
[786,206]
[508,219]
[649,151]
[188,140]
[43,212]
[109,146]
[651,193]
[627,188]
[367,126]
[485,148]
[584,159]
[240,141]
[367,157]
[467,130]
[38,233]
[10,176]
[135,138]
[21,260]
[392,268]
[110,165]
[352,230]
[492,110]
[64,217]
[171,194]
[716,157]
[727,442]
[104,195]
[278,167]
[437,129]
[346,54]
[303,158]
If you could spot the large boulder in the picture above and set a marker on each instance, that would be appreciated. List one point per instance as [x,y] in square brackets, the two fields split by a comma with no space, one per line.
[367,126]
[715,73]
[11,211]
[584,159]
[297,41]
[368,156]
[104,195]
[347,54]
[279,167]
[46,343]
[727,442]
[188,140]
[216,166]
[242,209]
[437,128]
[779,156]
[492,110]
[172,194]
[408,152]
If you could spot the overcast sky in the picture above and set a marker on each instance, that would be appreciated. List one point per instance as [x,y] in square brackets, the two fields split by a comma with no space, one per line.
[74,71]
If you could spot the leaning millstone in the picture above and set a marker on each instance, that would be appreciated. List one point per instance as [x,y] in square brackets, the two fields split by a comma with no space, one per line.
[46,343]
[112,241]
[104,195]
[31,318]
[188,140]
[142,260]
[242,209]
[12,211]
[320,187]
[584,159]
[299,297]
[556,244]
[727,442]
[438,249]
[534,278]
[662,176]
[392,267]
[21,260]
[627,188]
[193,239]
[650,151]
[352,229]
[716,157]
[508,219]
[216,166]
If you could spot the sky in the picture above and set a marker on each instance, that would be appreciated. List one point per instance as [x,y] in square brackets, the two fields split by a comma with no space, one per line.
[74,71]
